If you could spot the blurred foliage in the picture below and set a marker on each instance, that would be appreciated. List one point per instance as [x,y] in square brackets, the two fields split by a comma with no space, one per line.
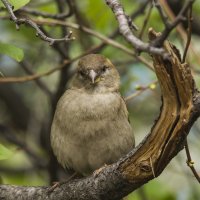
[5,153]
[143,109]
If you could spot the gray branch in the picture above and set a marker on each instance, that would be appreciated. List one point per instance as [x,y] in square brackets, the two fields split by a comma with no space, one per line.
[126,31]
[19,21]
[139,45]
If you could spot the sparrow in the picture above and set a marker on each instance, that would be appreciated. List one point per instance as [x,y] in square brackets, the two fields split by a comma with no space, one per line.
[90,126]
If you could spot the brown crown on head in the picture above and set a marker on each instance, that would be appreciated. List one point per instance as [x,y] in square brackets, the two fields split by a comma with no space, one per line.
[93,61]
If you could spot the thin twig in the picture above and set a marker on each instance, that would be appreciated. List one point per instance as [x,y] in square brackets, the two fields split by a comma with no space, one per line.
[141,89]
[190,163]
[44,14]
[32,77]
[40,83]
[19,21]
[162,13]
[25,169]
[170,26]
[7,133]
[37,76]
[140,10]
[49,15]
[145,21]
[189,34]
[179,28]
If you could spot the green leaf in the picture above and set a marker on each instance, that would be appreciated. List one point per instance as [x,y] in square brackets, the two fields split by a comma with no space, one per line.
[5,153]
[16,3]
[12,51]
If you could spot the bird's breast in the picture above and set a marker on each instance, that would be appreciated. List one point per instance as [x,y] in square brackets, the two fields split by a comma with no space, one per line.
[91,106]
[90,130]
[83,115]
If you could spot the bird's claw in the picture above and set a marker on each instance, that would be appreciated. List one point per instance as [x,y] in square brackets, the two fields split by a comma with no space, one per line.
[53,187]
[97,172]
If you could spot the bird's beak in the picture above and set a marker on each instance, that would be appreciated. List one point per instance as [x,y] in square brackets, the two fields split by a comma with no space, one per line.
[93,76]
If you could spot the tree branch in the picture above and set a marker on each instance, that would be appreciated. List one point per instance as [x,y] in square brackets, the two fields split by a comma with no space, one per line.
[19,21]
[170,26]
[189,33]
[126,31]
[49,15]
[141,89]
[190,162]
[146,20]
[27,67]
[138,44]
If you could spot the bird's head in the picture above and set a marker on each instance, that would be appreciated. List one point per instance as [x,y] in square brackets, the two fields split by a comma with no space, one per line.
[96,72]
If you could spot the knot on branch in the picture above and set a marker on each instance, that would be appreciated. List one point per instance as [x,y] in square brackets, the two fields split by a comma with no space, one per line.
[145,166]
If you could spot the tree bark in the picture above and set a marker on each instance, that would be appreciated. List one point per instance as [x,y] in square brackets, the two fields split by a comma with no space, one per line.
[180,108]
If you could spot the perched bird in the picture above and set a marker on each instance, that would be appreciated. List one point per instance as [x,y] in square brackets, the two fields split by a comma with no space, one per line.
[90,126]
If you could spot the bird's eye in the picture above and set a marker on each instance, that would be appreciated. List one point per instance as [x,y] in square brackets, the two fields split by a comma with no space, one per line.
[81,73]
[104,68]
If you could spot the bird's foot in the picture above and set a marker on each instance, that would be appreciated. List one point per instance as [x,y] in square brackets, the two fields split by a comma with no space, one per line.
[57,184]
[54,186]
[97,172]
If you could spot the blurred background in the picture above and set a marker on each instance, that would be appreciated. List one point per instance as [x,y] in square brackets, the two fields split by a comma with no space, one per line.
[28,100]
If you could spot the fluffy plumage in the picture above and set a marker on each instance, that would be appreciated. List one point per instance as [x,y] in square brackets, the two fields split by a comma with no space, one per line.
[90,126]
